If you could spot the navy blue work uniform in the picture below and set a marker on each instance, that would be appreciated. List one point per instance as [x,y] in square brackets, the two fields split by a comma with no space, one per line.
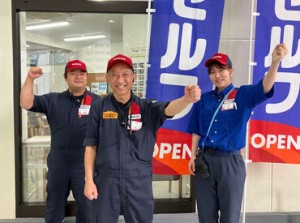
[66,157]
[125,135]
[223,190]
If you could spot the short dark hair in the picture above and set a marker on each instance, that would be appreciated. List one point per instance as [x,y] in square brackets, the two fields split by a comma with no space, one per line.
[218,65]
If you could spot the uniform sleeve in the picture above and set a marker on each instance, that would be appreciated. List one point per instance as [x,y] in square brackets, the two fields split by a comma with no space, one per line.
[41,103]
[257,94]
[92,132]
[156,114]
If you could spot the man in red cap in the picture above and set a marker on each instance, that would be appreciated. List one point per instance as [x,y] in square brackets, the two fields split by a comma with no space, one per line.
[218,127]
[119,147]
[67,114]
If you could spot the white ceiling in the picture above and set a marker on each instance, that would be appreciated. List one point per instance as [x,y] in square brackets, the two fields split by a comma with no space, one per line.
[80,24]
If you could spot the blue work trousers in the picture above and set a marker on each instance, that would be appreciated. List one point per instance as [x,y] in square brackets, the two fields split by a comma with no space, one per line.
[60,181]
[130,195]
[219,197]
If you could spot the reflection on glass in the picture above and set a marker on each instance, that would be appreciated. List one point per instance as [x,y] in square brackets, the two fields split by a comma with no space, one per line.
[47,49]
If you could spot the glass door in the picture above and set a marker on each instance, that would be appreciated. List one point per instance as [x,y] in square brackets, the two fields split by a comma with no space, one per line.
[93,38]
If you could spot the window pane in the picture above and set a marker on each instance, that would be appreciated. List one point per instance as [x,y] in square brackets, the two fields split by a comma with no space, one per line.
[48,49]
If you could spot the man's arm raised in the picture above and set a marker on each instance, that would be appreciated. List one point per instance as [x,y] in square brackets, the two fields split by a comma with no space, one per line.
[192,93]
[27,94]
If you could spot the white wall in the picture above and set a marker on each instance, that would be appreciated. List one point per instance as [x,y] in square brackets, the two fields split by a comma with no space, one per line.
[7,164]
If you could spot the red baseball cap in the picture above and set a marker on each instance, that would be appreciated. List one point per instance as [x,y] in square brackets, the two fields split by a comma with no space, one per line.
[75,64]
[120,58]
[219,57]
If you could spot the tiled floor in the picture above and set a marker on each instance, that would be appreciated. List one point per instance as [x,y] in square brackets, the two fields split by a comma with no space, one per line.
[191,218]
[158,218]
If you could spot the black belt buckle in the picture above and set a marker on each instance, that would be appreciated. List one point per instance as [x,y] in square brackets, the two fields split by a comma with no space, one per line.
[210,150]
[213,151]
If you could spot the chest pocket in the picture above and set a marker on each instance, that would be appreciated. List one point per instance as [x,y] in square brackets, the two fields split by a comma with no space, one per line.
[143,142]
[109,126]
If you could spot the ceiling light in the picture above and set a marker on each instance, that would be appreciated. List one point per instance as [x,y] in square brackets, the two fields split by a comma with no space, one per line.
[46,25]
[82,38]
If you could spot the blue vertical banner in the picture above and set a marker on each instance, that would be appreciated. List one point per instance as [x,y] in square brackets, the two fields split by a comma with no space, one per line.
[275,126]
[184,34]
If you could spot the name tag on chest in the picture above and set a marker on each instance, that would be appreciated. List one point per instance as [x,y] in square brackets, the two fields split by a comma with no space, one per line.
[84,110]
[229,105]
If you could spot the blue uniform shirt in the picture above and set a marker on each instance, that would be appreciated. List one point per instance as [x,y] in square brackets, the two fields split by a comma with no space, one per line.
[228,130]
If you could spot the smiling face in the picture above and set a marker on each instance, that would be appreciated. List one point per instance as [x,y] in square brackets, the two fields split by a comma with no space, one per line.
[120,78]
[220,75]
[76,80]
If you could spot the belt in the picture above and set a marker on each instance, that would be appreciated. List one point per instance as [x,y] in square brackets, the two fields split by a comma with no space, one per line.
[221,152]
[138,172]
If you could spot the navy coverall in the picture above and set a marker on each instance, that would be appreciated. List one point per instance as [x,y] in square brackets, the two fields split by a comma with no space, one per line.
[65,160]
[123,166]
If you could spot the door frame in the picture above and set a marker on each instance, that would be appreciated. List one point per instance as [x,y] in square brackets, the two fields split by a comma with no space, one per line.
[180,205]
